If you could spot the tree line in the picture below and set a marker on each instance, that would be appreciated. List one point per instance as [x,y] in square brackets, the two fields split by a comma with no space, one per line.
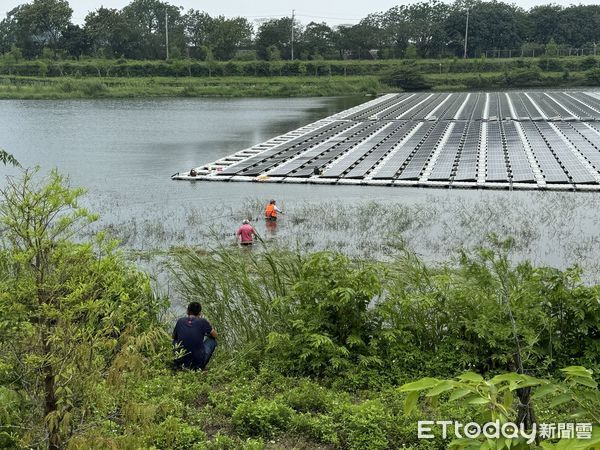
[428,29]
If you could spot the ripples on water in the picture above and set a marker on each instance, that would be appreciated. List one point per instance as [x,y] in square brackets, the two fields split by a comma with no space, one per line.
[124,151]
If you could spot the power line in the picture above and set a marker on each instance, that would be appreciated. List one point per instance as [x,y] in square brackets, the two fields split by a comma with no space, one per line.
[330,18]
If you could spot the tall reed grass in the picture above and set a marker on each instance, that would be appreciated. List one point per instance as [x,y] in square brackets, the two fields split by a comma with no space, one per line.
[239,287]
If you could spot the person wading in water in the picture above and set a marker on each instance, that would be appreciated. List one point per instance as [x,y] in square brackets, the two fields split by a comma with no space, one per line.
[271,211]
[246,233]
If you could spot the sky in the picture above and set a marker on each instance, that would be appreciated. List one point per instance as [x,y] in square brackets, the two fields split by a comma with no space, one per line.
[334,12]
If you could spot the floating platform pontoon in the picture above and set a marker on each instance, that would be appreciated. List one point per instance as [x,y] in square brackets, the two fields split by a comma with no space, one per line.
[515,140]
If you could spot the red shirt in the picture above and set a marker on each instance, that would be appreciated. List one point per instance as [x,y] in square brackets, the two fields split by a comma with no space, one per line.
[246,232]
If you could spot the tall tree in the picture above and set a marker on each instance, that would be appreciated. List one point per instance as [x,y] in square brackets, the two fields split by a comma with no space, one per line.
[146,18]
[276,33]
[356,41]
[544,21]
[580,25]
[395,30]
[69,310]
[424,20]
[109,32]
[492,25]
[33,26]
[218,37]
[75,41]
[317,40]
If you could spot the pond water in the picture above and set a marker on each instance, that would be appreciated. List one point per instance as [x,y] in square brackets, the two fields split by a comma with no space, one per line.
[124,151]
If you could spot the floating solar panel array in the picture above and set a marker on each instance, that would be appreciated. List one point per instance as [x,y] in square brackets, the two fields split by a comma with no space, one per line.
[530,140]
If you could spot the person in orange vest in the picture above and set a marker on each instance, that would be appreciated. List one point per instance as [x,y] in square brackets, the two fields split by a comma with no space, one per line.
[271,211]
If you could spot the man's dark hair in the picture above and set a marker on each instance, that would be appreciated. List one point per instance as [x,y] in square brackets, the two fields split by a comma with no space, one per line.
[194,309]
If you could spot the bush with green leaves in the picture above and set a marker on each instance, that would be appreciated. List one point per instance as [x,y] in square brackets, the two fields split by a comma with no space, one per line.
[482,312]
[593,76]
[308,397]
[175,434]
[262,417]
[364,426]
[328,326]
[406,76]
[72,313]
[497,399]
[524,77]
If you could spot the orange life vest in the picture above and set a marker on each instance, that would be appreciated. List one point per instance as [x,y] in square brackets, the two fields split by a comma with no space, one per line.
[270,211]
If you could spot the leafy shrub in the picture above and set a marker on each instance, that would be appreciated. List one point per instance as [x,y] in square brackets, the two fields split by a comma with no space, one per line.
[407,77]
[68,86]
[551,64]
[173,433]
[329,324]
[593,77]
[93,88]
[321,428]
[524,77]
[364,426]
[261,417]
[589,62]
[308,397]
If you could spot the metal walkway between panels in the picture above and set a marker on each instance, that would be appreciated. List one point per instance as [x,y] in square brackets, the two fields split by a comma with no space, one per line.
[500,140]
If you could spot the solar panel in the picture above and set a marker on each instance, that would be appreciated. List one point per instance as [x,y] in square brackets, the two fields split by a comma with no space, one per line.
[532,111]
[551,169]
[496,169]
[520,168]
[469,154]
[444,165]
[517,103]
[308,167]
[313,136]
[419,158]
[574,168]
[588,99]
[453,108]
[313,152]
[371,160]
[365,114]
[390,167]
[469,108]
[349,159]
[493,106]
[584,112]
[489,138]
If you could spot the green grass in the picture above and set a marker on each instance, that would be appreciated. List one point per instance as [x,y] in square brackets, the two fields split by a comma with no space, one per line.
[95,87]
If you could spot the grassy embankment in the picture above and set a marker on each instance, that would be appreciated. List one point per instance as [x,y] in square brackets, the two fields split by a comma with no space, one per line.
[92,78]
[314,347]
[94,87]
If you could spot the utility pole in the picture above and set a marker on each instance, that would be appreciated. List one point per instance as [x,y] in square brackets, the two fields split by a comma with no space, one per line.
[466,35]
[167,31]
[293,10]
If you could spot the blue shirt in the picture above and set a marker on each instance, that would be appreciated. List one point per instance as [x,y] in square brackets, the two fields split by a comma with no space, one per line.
[189,333]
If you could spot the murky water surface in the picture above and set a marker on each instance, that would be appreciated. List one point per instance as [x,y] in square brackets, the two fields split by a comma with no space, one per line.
[124,151]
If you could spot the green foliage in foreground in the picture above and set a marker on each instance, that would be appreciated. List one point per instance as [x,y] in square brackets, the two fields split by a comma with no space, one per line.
[492,400]
[314,347]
